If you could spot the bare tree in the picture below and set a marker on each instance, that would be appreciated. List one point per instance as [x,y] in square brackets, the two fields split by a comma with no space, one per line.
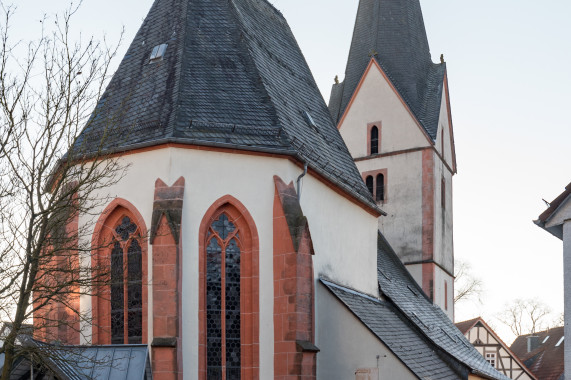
[525,316]
[48,177]
[466,285]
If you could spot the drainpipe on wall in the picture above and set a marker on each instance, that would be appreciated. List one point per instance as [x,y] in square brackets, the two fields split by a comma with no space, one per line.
[299,181]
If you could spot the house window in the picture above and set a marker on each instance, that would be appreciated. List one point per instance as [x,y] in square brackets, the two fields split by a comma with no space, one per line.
[380,189]
[223,300]
[374,140]
[491,358]
[370,184]
[126,285]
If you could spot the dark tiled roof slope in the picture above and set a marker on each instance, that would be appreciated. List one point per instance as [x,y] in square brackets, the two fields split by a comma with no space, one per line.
[546,361]
[397,284]
[416,352]
[232,76]
[393,32]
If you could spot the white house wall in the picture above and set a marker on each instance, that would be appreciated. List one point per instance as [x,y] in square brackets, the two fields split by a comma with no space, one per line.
[377,101]
[344,235]
[347,345]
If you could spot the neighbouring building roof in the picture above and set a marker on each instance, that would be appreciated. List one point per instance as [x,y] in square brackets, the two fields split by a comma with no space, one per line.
[232,76]
[553,207]
[393,33]
[411,326]
[118,362]
[466,326]
[546,360]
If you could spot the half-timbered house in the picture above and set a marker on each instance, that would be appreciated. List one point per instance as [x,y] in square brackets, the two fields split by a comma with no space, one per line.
[494,350]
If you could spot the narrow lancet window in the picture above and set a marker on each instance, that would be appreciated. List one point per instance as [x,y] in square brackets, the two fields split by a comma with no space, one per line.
[370,185]
[380,196]
[374,140]
[223,339]
[126,285]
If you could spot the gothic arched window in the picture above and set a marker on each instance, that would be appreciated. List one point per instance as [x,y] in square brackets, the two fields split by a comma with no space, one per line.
[374,140]
[369,181]
[119,265]
[229,295]
[380,194]
[223,300]
[126,284]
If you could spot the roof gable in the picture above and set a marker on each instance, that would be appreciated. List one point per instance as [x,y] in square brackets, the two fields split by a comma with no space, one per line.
[375,80]
[232,76]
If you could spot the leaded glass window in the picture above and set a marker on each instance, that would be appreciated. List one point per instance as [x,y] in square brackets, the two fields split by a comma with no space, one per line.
[223,349]
[126,285]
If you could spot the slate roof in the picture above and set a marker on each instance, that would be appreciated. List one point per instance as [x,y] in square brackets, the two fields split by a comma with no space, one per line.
[403,339]
[553,207]
[114,362]
[401,289]
[546,361]
[232,76]
[393,32]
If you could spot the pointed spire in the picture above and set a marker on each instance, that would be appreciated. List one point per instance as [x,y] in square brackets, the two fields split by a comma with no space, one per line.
[393,32]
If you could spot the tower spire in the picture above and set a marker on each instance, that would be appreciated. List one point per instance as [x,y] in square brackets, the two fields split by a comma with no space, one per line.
[393,33]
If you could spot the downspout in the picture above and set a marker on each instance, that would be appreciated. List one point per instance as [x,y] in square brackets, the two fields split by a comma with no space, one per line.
[299,181]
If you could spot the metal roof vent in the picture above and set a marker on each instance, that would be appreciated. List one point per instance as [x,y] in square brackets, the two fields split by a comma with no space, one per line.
[310,120]
[158,53]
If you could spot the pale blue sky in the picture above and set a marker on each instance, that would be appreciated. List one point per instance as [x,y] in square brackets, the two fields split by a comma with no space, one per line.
[508,65]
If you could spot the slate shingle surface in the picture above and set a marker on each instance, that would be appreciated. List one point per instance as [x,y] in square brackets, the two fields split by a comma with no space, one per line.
[393,32]
[232,75]
[403,339]
[397,284]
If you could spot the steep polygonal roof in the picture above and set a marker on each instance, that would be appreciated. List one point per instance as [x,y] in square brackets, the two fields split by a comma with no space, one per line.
[393,33]
[233,76]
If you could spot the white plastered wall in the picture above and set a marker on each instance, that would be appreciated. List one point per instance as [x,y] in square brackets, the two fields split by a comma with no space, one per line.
[375,101]
[347,344]
[344,234]
[444,129]
[402,226]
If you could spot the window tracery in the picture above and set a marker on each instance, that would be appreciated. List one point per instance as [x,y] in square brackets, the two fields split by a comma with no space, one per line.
[223,300]
[126,284]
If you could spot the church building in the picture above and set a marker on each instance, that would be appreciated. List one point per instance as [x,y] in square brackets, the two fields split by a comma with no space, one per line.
[258,233]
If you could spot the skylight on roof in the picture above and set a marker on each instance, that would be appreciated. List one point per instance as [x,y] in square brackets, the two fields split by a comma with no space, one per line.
[545,340]
[310,120]
[158,53]
[560,341]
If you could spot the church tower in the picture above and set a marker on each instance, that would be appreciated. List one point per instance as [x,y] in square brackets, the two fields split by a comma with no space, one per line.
[393,110]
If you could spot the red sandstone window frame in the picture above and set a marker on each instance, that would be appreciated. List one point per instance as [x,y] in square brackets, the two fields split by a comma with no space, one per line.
[370,126]
[101,258]
[249,285]
[374,174]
